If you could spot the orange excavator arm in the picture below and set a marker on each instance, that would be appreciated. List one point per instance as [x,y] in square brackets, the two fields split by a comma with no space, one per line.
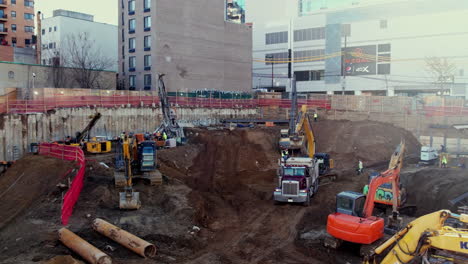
[391,175]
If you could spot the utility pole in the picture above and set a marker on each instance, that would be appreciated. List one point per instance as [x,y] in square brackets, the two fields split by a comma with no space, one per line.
[270,58]
[343,64]
[292,114]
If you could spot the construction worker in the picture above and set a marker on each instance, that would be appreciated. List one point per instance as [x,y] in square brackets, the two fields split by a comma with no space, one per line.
[164,135]
[285,154]
[444,161]
[360,167]
[315,116]
[365,191]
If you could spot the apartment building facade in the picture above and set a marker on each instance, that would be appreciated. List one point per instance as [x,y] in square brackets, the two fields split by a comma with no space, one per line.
[57,30]
[192,44]
[379,48]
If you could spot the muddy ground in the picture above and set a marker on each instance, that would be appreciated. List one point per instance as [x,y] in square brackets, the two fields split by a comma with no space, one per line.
[222,183]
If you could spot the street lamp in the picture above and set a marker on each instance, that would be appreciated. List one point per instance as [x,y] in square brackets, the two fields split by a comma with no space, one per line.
[270,57]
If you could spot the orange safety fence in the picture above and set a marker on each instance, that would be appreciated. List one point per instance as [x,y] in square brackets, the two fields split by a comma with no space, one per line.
[72,153]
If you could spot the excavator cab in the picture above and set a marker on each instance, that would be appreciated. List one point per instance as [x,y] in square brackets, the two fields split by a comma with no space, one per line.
[350,203]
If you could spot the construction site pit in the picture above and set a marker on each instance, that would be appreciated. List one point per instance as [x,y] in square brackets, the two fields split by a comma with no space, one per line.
[215,205]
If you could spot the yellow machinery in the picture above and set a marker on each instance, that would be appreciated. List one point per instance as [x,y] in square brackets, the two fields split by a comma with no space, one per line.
[129,200]
[439,236]
[98,145]
[302,138]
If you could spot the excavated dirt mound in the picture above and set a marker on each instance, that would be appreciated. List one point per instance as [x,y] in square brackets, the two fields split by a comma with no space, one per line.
[431,189]
[372,142]
[222,182]
[26,181]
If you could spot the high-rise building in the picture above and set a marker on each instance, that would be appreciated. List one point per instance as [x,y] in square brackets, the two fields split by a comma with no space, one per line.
[64,27]
[16,26]
[194,45]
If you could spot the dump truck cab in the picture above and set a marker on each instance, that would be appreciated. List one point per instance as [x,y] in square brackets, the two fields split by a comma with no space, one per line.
[429,155]
[297,180]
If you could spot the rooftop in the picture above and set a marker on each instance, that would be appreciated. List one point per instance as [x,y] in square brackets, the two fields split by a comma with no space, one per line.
[72,14]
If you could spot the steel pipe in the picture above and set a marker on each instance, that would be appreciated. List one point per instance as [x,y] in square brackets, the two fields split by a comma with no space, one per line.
[124,238]
[83,248]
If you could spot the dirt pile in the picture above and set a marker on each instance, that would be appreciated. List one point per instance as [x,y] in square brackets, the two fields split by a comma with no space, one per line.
[372,142]
[431,189]
[27,181]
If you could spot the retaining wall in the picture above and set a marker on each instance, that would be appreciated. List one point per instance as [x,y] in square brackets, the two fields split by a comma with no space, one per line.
[17,131]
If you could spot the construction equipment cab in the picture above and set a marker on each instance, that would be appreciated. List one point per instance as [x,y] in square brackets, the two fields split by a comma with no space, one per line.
[298,180]
[439,237]
[429,155]
[384,193]
[353,220]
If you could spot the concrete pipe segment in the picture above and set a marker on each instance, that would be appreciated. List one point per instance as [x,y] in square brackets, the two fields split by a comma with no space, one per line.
[83,248]
[132,242]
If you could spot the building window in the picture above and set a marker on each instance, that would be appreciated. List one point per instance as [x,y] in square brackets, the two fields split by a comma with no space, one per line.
[28,16]
[131,44]
[50,29]
[147,81]
[147,23]
[43,32]
[28,29]
[147,5]
[131,82]
[27,42]
[13,2]
[11,75]
[309,55]
[131,7]
[131,25]
[13,27]
[383,24]
[276,38]
[309,34]
[147,62]
[123,51]
[383,69]
[13,41]
[131,63]
[123,19]
[147,43]
[55,28]
[13,14]
[384,48]
[29,3]
[278,58]
[123,35]
[305,76]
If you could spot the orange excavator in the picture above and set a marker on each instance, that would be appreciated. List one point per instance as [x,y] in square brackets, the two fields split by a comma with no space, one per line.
[353,220]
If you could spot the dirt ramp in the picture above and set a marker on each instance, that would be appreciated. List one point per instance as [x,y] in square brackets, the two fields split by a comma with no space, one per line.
[372,142]
[26,181]
[431,189]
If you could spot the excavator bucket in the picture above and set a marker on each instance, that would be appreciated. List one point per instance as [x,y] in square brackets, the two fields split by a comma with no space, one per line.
[129,200]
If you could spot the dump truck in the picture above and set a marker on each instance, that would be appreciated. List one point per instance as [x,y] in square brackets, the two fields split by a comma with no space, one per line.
[298,180]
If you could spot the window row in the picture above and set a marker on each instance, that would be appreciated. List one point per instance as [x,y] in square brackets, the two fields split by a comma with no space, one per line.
[305,76]
[146,24]
[132,44]
[146,82]
[146,62]
[131,6]
[277,58]
[26,3]
[14,41]
[51,45]
[276,38]
[50,30]
[309,34]
[27,16]
[309,55]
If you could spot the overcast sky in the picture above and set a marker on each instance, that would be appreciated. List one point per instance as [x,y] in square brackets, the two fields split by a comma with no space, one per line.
[103,10]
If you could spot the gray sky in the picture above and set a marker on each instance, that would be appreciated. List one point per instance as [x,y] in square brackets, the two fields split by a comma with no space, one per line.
[103,10]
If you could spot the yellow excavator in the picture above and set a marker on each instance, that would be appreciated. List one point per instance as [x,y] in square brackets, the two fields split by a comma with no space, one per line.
[128,199]
[95,144]
[439,237]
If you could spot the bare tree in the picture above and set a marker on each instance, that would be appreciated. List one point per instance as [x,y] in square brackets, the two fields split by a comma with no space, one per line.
[442,72]
[85,60]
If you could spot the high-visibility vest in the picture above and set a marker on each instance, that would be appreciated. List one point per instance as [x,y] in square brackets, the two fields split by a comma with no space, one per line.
[315,115]
[284,153]
[444,159]
[164,136]
[360,165]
